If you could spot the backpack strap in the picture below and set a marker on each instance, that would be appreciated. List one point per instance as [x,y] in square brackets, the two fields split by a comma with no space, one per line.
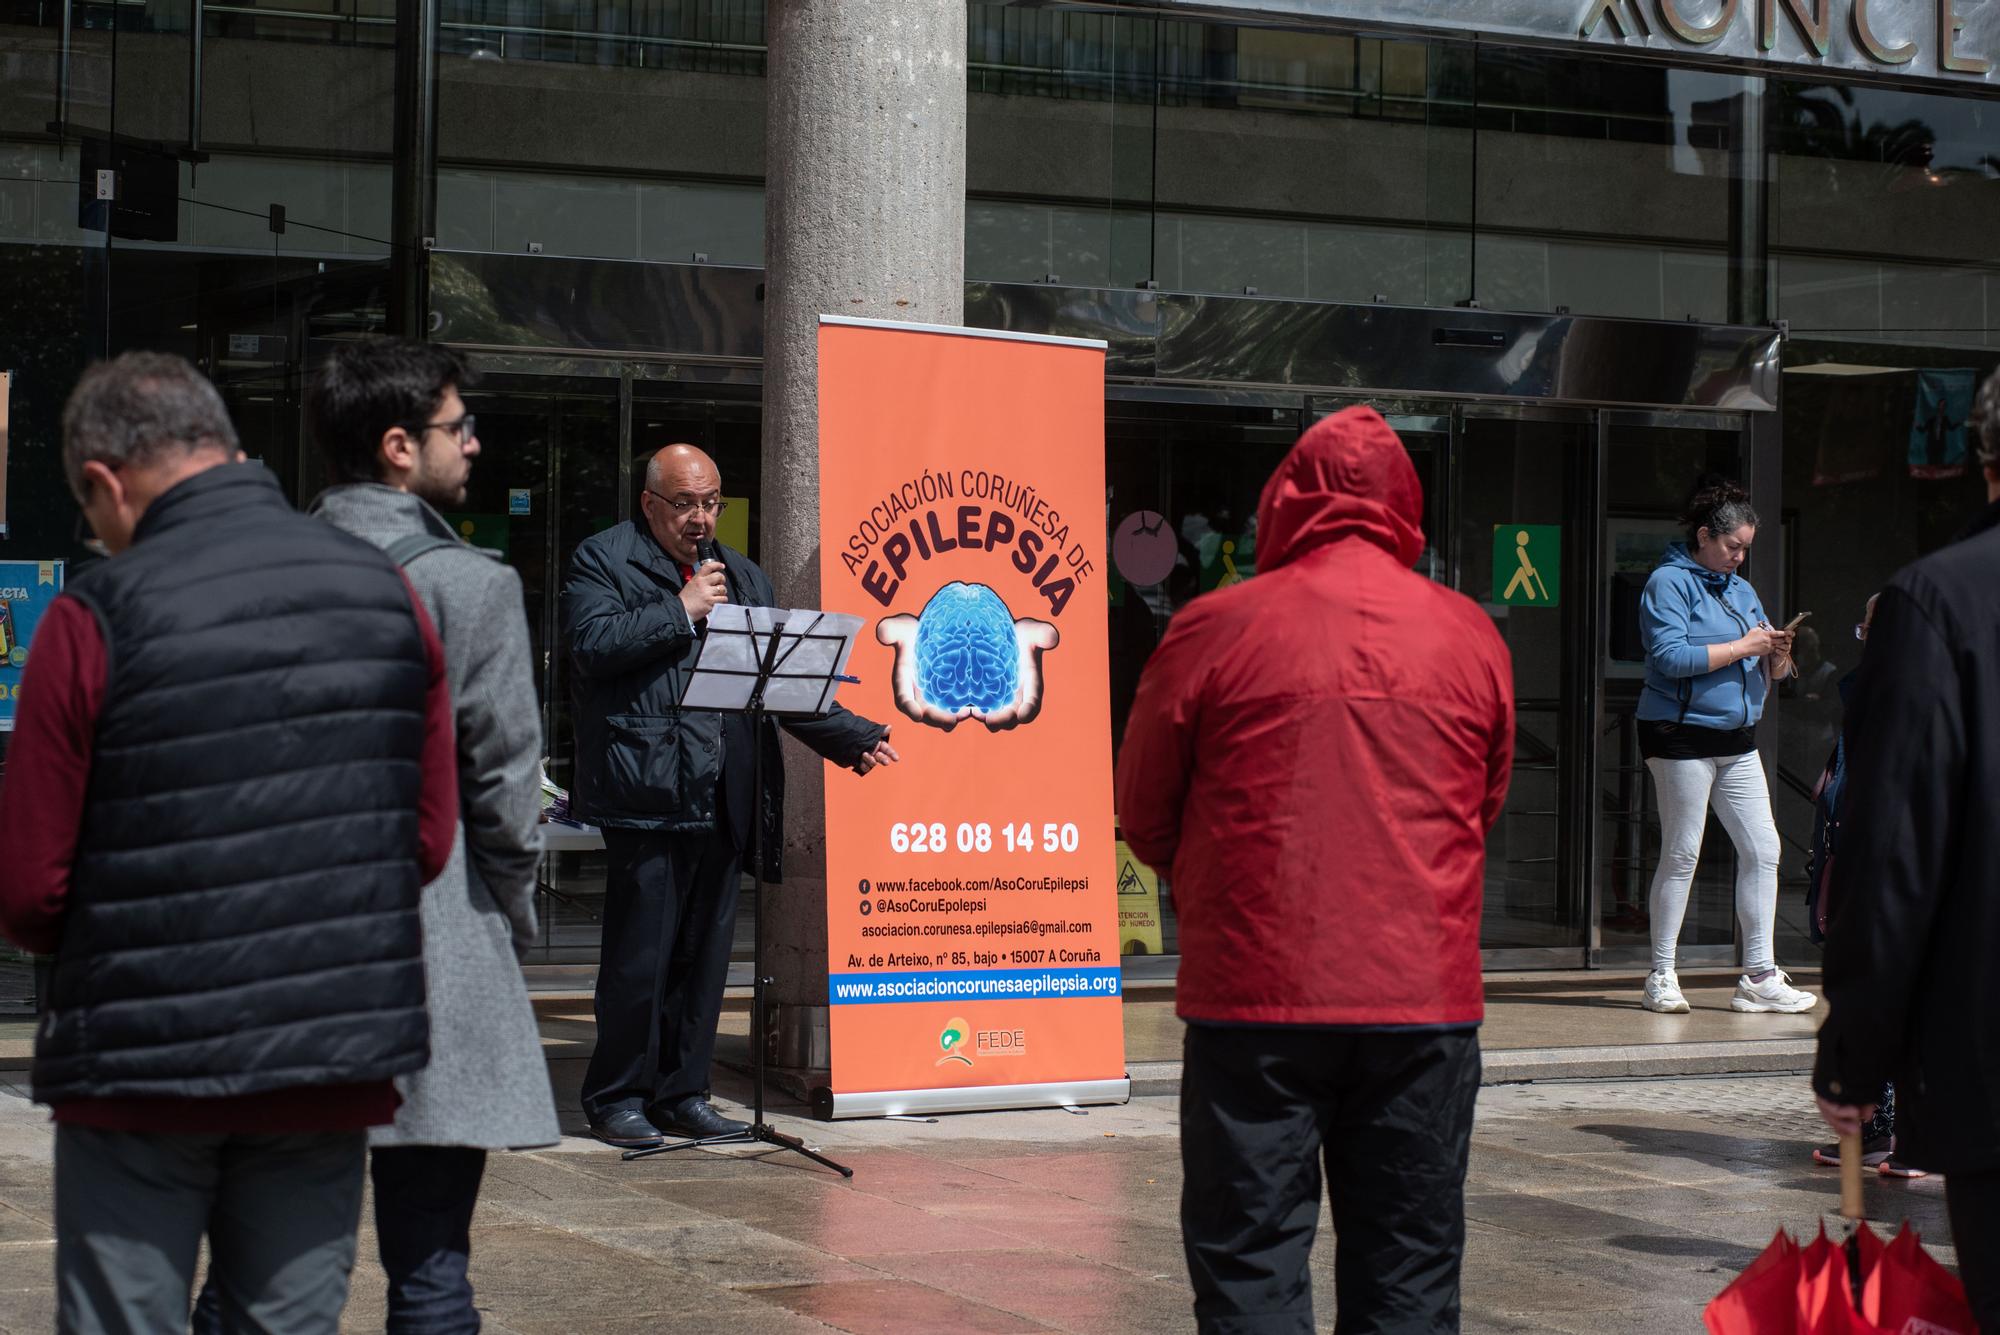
[413,545]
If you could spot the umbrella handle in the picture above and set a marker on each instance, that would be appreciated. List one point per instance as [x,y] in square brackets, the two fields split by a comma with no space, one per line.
[1850,1177]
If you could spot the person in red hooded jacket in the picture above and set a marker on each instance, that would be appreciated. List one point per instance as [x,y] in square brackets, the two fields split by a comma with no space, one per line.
[1314,758]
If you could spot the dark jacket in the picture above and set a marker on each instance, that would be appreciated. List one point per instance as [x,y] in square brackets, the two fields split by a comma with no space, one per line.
[641,761]
[1827,797]
[243,901]
[1317,755]
[1912,991]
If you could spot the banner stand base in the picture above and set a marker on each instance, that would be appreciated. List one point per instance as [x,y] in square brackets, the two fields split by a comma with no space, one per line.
[979,1098]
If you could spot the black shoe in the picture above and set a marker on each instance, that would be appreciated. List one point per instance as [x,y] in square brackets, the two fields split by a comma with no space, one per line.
[628,1130]
[697,1119]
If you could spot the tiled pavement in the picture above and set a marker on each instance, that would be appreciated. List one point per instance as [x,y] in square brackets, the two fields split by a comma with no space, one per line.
[1593,1206]
[1598,1206]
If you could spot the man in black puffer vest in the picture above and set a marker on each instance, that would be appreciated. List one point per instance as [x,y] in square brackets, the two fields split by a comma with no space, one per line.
[231,775]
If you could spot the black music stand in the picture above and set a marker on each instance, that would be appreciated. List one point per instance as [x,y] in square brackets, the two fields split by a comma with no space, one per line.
[766,664]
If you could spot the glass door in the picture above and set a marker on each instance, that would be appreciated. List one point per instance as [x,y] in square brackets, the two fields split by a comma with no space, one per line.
[563,449]
[546,478]
[724,418]
[1650,463]
[1494,475]
[1524,512]
[1183,473]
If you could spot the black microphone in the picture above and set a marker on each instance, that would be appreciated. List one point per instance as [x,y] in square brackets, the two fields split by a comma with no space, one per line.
[704,552]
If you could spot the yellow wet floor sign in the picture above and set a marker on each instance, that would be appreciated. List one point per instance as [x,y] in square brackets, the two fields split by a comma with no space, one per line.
[1138,906]
[1527,565]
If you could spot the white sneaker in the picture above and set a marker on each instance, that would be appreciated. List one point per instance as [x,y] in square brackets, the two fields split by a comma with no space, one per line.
[1663,993]
[1775,993]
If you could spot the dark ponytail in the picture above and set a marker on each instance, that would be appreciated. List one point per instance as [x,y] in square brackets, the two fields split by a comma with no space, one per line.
[1718,505]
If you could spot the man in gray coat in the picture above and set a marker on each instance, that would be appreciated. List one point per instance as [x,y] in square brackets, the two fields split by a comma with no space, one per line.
[399,446]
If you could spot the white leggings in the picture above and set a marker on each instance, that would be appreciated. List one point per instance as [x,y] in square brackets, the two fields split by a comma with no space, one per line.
[1735,784]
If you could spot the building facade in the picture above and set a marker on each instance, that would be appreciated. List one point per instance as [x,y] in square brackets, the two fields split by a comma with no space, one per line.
[1577,250]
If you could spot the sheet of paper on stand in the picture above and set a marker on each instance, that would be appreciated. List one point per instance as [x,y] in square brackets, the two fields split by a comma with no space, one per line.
[813,647]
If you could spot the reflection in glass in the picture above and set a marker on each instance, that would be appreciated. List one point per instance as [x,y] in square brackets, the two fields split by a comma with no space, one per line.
[1607,188]
[1211,158]
[1882,208]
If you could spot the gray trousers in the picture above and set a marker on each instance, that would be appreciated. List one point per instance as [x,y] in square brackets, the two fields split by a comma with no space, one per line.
[280,1213]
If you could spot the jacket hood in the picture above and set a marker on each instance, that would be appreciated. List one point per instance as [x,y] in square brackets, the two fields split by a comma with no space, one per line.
[1347,477]
[1679,557]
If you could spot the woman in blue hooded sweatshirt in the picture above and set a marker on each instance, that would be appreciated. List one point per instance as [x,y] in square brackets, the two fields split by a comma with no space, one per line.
[1711,656]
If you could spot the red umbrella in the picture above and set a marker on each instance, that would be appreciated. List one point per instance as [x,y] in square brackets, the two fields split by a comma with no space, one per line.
[1910,1292]
[1859,1287]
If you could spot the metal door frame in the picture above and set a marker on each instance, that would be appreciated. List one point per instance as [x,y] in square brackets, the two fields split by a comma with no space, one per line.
[1578,685]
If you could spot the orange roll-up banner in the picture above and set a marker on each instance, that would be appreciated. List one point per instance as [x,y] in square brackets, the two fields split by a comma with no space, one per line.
[972,909]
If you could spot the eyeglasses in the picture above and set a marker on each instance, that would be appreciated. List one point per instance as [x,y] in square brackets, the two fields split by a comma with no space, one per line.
[714,505]
[464,429]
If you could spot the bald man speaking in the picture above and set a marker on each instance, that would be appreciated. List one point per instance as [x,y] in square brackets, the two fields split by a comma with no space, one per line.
[671,791]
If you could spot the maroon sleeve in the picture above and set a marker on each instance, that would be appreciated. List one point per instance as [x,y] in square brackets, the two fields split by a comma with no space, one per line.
[48,771]
[437,805]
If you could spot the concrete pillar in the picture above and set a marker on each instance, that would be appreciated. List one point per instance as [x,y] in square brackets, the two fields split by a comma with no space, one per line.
[864,215]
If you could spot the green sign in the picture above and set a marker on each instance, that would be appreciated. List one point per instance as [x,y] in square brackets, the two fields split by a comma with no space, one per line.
[1527,565]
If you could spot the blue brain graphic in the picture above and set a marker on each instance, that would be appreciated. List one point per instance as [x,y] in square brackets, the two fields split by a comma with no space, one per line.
[966,652]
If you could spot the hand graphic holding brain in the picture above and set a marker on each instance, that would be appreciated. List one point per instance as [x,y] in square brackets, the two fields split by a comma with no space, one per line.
[966,657]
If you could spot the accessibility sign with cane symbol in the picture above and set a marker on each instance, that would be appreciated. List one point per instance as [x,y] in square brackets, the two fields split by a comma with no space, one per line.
[1527,565]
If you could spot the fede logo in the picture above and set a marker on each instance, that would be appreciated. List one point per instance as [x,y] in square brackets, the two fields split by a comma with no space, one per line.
[958,1036]
[957,1033]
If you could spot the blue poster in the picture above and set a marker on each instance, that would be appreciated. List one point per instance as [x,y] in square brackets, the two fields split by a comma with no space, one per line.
[1937,436]
[26,590]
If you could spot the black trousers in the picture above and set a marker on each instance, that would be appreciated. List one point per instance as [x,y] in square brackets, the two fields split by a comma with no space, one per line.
[1391,1116]
[424,1196]
[669,918]
[1974,1202]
